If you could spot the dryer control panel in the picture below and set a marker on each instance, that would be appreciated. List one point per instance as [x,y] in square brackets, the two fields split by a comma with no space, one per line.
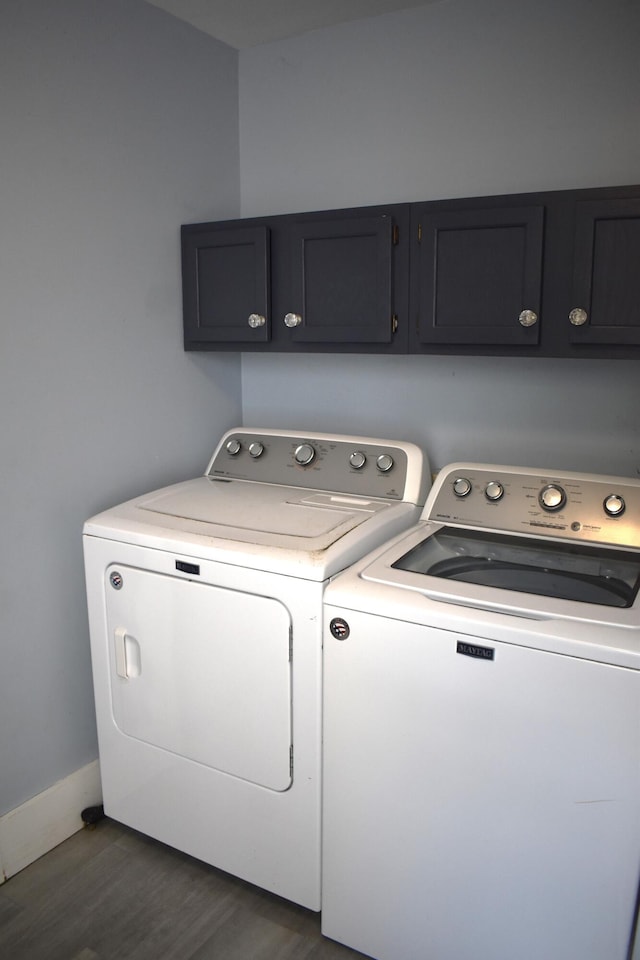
[357,466]
[585,507]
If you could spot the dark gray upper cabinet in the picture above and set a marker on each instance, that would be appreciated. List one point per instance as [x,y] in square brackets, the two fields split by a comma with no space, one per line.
[477,275]
[547,274]
[341,282]
[225,284]
[606,277]
[335,280]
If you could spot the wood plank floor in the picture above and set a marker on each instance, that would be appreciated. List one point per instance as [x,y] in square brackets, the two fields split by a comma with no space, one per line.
[112,894]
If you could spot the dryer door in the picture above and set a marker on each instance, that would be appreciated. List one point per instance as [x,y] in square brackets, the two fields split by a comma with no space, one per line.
[203,672]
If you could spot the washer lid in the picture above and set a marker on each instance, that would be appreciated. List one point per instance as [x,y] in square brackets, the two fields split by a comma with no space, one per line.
[258,513]
[583,573]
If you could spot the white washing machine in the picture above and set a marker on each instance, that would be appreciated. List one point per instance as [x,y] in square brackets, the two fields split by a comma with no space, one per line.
[205,611]
[482,725]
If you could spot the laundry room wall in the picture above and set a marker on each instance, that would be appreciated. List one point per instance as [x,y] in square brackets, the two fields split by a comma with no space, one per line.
[452,99]
[118,123]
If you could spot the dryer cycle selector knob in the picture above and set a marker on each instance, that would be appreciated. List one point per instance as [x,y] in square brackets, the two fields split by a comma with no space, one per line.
[304,454]
[552,497]
[256,449]
[614,505]
[357,459]
[494,491]
[234,447]
[384,462]
[461,487]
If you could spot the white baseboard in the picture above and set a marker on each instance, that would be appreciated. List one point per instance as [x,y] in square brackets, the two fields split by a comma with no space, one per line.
[40,824]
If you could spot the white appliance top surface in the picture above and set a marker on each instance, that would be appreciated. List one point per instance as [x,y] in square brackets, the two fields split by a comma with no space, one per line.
[255,512]
[234,516]
[578,535]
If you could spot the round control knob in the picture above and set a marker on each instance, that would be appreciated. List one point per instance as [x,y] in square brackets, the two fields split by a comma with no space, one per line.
[552,497]
[234,447]
[461,487]
[357,459]
[256,449]
[384,462]
[494,491]
[304,454]
[614,505]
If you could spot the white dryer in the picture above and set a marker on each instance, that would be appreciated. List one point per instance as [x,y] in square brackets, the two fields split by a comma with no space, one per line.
[205,611]
[482,725]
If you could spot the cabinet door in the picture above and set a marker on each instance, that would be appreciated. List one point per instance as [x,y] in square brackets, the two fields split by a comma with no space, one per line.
[606,277]
[477,276]
[225,280]
[341,281]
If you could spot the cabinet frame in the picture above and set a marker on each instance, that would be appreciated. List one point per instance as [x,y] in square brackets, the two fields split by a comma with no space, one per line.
[553,251]
[375,240]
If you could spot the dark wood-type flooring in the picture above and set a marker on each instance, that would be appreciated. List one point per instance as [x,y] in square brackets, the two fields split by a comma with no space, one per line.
[110,893]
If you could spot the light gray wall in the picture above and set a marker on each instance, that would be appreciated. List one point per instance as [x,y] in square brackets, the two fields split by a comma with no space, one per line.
[459,98]
[118,123]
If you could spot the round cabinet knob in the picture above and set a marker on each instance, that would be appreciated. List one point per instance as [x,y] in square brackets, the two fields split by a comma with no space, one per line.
[494,491]
[357,459]
[461,487]
[578,317]
[384,462]
[614,505]
[256,320]
[234,447]
[304,454]
[256,449]
[552,497]
[292,320]
[528,318]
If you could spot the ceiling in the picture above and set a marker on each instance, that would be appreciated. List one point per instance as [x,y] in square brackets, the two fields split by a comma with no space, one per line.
[247,23]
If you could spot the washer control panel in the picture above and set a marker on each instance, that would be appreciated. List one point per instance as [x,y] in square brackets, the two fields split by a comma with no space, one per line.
[359,466]
[585,507]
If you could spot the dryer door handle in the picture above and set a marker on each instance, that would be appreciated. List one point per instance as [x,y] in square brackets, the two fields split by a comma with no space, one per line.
[127,649]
